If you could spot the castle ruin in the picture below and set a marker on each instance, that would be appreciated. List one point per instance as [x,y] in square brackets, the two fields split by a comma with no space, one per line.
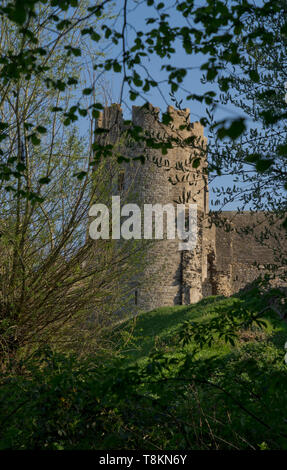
[229,254]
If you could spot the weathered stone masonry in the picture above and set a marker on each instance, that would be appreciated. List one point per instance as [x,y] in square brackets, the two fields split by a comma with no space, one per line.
[222,262]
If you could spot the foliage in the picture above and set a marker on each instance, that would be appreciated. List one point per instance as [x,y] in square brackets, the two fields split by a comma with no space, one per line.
[172,384]
[53,277]
[215,30]
[173,398]
[256,160]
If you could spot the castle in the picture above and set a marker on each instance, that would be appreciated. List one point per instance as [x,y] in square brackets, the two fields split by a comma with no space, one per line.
[230,252]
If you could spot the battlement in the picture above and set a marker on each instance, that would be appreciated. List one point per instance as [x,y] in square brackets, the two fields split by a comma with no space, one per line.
[174,178]
[220,263]
[148,117]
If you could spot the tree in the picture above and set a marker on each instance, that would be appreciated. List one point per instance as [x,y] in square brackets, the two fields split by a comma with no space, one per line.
[258,157]
[216,30]
[53,277]
[211,30]
[256,160]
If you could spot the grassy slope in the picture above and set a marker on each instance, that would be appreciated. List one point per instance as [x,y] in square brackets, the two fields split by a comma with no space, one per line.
[230,397]
[157,330]
[248,409]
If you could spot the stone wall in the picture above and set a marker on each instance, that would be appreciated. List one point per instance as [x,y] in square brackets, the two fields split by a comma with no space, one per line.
[247,245]
[171,276]
[224,259]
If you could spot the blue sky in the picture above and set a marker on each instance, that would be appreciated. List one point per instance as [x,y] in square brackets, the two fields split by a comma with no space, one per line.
[161,97]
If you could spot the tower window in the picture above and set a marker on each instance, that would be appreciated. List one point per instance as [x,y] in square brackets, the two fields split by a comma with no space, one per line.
[121,180]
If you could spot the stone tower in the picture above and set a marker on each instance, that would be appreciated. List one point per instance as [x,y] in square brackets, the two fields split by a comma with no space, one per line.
[170,276]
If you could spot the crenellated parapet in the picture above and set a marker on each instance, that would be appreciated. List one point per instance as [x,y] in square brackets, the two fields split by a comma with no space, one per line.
[184,143]
[148,117]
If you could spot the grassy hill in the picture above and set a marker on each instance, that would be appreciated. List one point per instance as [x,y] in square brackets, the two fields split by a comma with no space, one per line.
[159,329]
[187,377]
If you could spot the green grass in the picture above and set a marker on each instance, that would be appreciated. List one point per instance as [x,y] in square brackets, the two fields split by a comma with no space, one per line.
[158,330]
[250,375]
[150,392]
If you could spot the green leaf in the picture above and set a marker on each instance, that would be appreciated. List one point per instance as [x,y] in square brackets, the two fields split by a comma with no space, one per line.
[95,113]
[263,165]
[224,84]
[234,131]
[166,118]
[35,139]
[141,158]
[83,112]
[59,85]
[122,159]
[3,126]
[87,91]
[80,175]
[254,75]
[133,95]
[282,149]
[17,14]
[252,158]
[117,67]
[44,180]
[41,130]
[211,73]
[72,81]
[20,167]
[76,51]
[269,117]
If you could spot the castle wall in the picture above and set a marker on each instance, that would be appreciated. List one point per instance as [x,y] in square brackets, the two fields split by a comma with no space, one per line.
[224,258]
[247,250]
[170,276]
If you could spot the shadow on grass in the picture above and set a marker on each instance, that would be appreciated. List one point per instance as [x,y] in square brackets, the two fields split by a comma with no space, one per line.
[158,329]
